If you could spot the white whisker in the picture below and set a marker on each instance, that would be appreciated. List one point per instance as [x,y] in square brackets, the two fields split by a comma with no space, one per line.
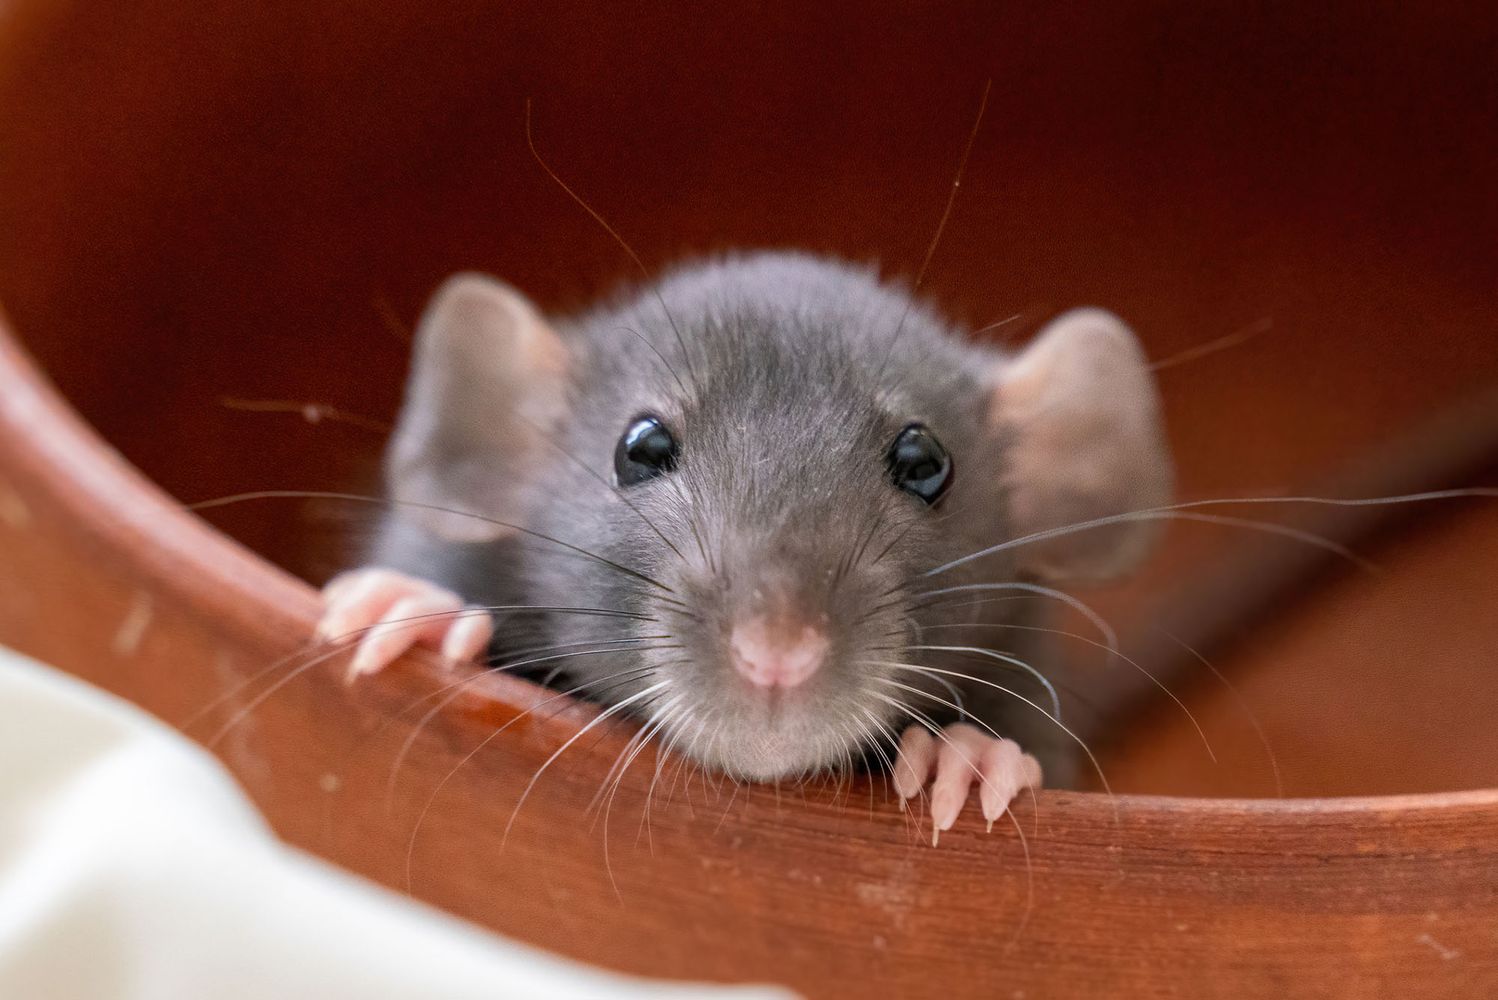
[1014,694]
[457,687]
[1159,513]
[614,709]
[1004,658]
[630,675]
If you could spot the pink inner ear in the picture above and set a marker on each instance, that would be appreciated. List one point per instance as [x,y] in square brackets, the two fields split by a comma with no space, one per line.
[1081,415]
[486,388]
[776,654]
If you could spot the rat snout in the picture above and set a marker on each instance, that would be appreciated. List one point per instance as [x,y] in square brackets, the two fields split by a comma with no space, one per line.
[776,652]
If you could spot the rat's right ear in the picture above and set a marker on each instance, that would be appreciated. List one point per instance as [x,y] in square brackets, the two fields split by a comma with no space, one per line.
[487,385]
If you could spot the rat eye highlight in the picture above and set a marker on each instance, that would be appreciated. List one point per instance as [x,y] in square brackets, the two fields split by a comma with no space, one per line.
[646,450]
[919,465]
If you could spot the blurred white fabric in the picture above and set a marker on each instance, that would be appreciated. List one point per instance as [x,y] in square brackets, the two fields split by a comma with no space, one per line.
[131,866]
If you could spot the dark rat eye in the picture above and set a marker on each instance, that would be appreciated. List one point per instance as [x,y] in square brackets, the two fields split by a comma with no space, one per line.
[646,450]
[918,464]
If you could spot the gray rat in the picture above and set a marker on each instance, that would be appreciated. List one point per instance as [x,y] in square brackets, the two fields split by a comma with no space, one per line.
[745,496]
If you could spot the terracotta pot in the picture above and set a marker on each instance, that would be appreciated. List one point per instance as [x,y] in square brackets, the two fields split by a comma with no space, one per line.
[207,207]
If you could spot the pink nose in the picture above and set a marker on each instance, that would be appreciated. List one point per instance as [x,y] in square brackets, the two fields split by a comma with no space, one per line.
[776,655]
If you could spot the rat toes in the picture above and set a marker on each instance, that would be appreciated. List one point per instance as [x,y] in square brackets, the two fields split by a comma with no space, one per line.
[956,766]
[419,618]
[913,766]
[1006,771]
[396,612]
[953,760]
[360,598]
[468,635]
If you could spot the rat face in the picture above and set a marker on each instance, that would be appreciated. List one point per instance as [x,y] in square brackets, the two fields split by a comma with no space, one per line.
[784,508]
[763,464]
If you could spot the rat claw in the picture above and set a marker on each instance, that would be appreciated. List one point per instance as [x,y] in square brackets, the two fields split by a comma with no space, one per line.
[397,631]
[944,809]
[355,600]
[1006,772]
[1000,779]
[956,768]
[965,755]
[396,612]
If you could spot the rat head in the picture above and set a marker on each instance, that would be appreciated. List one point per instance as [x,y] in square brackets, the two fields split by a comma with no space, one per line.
[768,464]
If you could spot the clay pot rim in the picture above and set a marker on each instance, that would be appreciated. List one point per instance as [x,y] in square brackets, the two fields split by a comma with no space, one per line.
[177,552]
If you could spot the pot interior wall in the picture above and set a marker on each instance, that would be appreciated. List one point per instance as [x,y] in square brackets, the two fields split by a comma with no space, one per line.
[208,206]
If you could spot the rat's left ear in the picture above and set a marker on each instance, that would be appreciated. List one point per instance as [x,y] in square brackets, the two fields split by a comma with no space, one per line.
[1080,417]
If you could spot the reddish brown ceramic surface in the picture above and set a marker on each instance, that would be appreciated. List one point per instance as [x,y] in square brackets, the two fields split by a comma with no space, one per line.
[222,200]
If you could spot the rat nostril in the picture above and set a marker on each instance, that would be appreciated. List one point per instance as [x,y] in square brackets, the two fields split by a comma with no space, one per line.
[778,654]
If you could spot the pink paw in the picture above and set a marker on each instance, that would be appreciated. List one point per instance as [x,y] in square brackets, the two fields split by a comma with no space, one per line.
[961,755]
[395,612]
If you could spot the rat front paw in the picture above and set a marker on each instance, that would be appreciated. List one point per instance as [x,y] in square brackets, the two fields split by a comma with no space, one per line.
[958,756]
[396,612]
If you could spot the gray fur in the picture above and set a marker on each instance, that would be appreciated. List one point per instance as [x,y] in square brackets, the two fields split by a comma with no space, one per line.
[795,375]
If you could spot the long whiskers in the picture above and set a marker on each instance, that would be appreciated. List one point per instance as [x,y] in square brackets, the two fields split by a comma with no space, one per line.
[614,777]
[627,675]
[882,732]
[1091,757]
[1172,510]
[666,754]
[1007,659]
[1110,638]
[612,710]
[455,689]
[657,721]
[937,732]
[1243,706]
[629,250]
[391,502]
[342,641]
[941,226]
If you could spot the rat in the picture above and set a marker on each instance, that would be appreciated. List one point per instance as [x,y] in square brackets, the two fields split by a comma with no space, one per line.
[776,507]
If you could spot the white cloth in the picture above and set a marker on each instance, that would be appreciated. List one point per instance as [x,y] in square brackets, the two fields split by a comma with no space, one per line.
[132,867]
